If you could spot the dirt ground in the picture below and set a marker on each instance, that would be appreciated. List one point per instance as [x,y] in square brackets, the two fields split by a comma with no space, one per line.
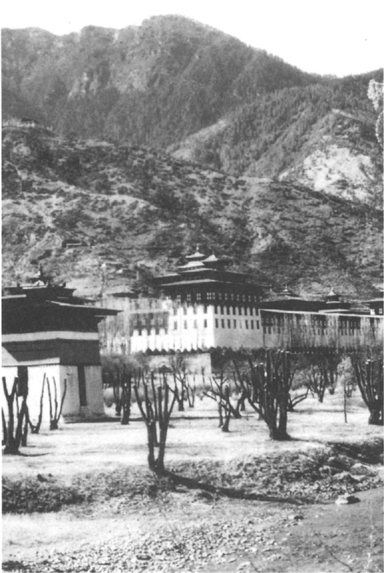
[191,530]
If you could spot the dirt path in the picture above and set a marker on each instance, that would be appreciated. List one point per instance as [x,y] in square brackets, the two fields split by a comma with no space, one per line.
[192,532]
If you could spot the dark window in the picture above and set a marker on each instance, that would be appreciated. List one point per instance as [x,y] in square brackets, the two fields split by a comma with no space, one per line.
[22,383]
[234,324]
[246,324]
[185,325]
[222,323]
[205,323]
[229,322]
[217,322]
[257,324]
[82,387]
[252,325]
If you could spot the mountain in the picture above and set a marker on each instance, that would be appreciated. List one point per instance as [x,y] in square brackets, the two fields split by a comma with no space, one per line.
[203,95]
[154,84]
[73,205]
[320,135]
[153,138]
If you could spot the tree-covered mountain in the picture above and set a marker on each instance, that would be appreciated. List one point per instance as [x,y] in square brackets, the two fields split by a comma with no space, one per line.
[203,95]
[72,205]
[322,135]
[154,84]
[154,138]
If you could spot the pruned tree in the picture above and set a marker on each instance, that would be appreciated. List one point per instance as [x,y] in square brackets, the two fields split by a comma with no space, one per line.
[266,383]
[369,378]
[190,390]
[35,428]
[126,395]
[322,372]
[55,409]
[14,425]
[179,372]
[219,391]
[298,363]
[315,381]
[156,408]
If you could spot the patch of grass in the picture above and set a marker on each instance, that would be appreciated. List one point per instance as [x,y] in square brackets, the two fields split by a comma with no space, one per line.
[28,495]
[316,476]
[47,494]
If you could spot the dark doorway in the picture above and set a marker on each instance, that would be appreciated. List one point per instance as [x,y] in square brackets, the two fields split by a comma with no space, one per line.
[22,384]
[82,387]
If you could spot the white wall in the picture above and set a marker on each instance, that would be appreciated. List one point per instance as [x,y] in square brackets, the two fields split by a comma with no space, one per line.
[59,373]
[192,327]
[35,383]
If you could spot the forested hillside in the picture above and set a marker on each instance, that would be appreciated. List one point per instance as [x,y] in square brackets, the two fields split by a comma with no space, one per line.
[151,139]
[153,85]
[276,135]
[128,206]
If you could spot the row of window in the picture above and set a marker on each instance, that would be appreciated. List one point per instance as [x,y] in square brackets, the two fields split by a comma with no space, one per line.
[224,310]
[220,296]
[233,323]
[152,322]
[223,323]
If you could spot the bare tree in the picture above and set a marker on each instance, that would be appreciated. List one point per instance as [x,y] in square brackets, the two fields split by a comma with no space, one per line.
[14,426]
[126,395]
[369,378]
[322,372]
[219,391]
[190,390]
[55,409]
[179,371]
[266,383]
[156,408]
[315,381]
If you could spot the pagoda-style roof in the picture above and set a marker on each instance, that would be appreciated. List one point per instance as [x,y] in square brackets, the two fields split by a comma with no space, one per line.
[197,256]
[44,308]
[191,265]
[201,270]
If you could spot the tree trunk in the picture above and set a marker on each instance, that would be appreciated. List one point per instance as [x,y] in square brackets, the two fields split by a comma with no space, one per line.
[375,418]
[151,445]
[278,434]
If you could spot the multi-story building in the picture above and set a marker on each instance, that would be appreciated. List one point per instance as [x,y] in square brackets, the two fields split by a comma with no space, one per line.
[201,306]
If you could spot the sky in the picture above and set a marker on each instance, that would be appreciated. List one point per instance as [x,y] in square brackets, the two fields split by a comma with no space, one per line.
[337,37]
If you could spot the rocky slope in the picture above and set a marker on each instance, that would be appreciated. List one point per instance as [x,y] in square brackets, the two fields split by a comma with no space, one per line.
[321,136]
[127,206]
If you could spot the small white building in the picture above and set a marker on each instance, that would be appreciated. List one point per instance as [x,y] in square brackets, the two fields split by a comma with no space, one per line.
[48,333]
